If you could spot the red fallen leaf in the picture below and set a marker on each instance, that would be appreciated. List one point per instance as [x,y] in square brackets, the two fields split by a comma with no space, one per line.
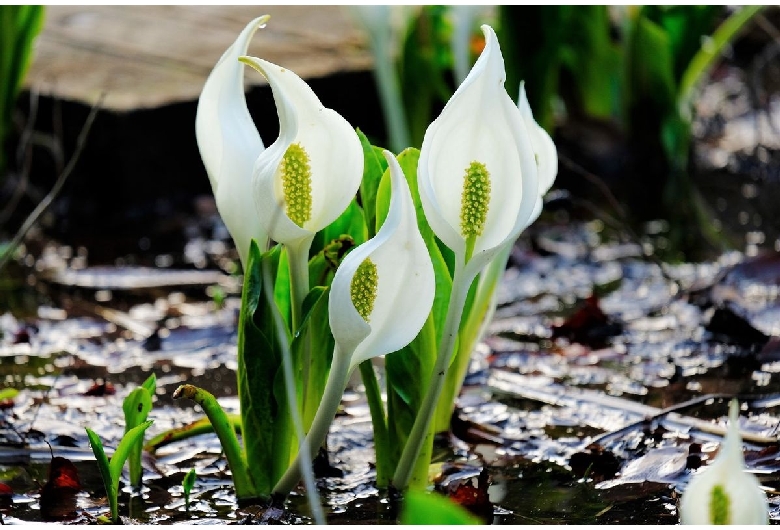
[63,474]
[103,388]
[588,325]
[5,490]
[58,495]
[472,496]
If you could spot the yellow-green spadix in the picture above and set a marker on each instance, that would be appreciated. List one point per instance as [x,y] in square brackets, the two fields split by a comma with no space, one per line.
[383,290]
[477,173]
[723,492]
[229,143]
[309,175]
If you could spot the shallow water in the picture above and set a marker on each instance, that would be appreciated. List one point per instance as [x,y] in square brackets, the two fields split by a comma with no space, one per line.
[554,414]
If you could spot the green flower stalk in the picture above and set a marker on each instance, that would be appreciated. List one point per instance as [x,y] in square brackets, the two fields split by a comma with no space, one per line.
[380,298]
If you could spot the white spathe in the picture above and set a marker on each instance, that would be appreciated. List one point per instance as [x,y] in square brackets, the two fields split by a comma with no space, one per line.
[480,123]
[229,143]
[723,493]
[544,150]
[332,145]
[405,282]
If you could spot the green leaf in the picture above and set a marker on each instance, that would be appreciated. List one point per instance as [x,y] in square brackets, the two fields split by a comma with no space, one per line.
[315,329]
[105,472]
[374,166]
[650,67]
[150,384]
[186,485]
[431,508]
[592,59]
[267,430]
[19,25]
[136,407]
[409,370]
[119,457]
[711,49]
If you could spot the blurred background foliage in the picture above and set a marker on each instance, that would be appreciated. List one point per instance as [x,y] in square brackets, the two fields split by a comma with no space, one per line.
[19,25]
[632,70]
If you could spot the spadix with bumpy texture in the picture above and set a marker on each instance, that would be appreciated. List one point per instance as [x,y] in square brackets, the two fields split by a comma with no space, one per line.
[295,172]
[309,175]
[475,200]
[723,492]
[362,289]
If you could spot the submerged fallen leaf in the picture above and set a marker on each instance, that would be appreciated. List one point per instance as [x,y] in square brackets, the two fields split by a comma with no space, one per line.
[588,325]
[58,495]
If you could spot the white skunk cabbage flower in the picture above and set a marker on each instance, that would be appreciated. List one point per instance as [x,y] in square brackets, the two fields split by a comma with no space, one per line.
[229,143]
[545,153]
[309,175]
[723,493]
[477,174]
[383,290]
[379,301]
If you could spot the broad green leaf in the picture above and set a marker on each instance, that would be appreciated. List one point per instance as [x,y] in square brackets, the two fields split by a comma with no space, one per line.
[315,329]
[333,242]
[374,166]
[8,393]
[431,508]
[267,431]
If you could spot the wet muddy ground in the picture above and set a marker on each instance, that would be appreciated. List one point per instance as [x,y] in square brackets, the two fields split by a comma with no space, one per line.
[566,413]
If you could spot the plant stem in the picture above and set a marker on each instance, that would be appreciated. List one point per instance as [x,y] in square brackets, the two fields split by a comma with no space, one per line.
[290,390]
[331,399]
[227,437]
[298,261]
[379,422]
[421,429]
[479,315]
